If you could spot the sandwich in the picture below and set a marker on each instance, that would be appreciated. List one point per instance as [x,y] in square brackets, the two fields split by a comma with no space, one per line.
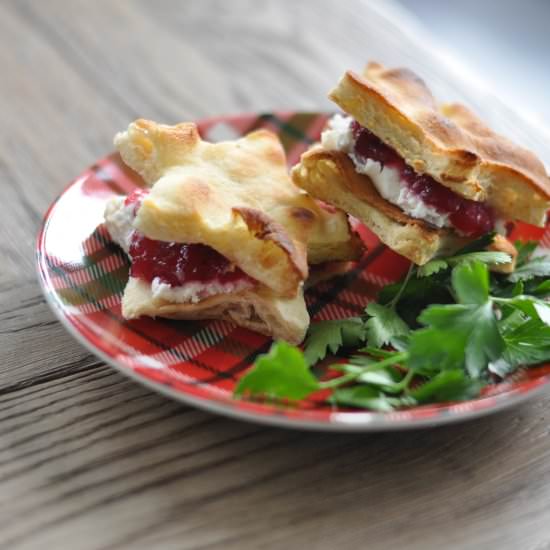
[220,231]
[425,178]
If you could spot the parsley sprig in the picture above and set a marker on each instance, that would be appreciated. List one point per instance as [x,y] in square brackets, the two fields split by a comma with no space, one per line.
[444,332]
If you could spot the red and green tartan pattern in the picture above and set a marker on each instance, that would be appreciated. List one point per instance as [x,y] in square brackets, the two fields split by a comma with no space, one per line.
[83,275]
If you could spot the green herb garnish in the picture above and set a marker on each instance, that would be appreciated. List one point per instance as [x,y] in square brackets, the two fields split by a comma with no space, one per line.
[442,334]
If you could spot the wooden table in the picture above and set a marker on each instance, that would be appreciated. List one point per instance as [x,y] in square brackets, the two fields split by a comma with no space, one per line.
[92,460]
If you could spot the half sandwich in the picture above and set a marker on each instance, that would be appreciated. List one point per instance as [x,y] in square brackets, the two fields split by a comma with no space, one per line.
[426,178]
[222,232]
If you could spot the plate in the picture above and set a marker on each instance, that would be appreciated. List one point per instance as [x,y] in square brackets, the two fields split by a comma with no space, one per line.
[83,274]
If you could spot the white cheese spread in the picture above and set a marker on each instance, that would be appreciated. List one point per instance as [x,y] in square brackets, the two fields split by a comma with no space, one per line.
[195,291]
[120,218]
[338,136]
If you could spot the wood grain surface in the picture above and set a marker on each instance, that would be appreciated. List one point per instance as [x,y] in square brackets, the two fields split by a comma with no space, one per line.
[91,460]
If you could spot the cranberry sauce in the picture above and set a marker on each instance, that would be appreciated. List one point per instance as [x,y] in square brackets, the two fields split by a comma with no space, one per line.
[179,263]
[469,218]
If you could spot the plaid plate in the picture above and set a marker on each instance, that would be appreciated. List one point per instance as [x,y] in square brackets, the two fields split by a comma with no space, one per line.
[83,275]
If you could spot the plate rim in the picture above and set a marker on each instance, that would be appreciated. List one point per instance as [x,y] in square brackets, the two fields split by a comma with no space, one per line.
[377,424]
[343,421]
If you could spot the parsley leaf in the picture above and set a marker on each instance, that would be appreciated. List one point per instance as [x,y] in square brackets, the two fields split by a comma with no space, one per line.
[473,251]
[542,289]
[479,244]
[431,267]
[471,283]
[332,335]
[418,290]
[510,322]
[525,249]
[282,373]
[449,385]
[417,295]
[532,271]
[367,397]
[485,343]
[535,267]
[384,323]
[486,257]
[450,338]
[530,305]
[375,352]
[463,335]
[387,379]
[527,344]
[518,289]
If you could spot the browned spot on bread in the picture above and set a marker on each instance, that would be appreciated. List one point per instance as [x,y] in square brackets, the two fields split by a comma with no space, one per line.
[272,149]
[200,190]
[267,229]
[404,80]
[184,134]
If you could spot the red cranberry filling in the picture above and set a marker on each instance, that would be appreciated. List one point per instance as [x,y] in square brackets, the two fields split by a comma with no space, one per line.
[470,218]
[178,263]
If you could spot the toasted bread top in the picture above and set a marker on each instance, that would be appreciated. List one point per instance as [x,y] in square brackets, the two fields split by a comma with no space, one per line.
[448,142]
